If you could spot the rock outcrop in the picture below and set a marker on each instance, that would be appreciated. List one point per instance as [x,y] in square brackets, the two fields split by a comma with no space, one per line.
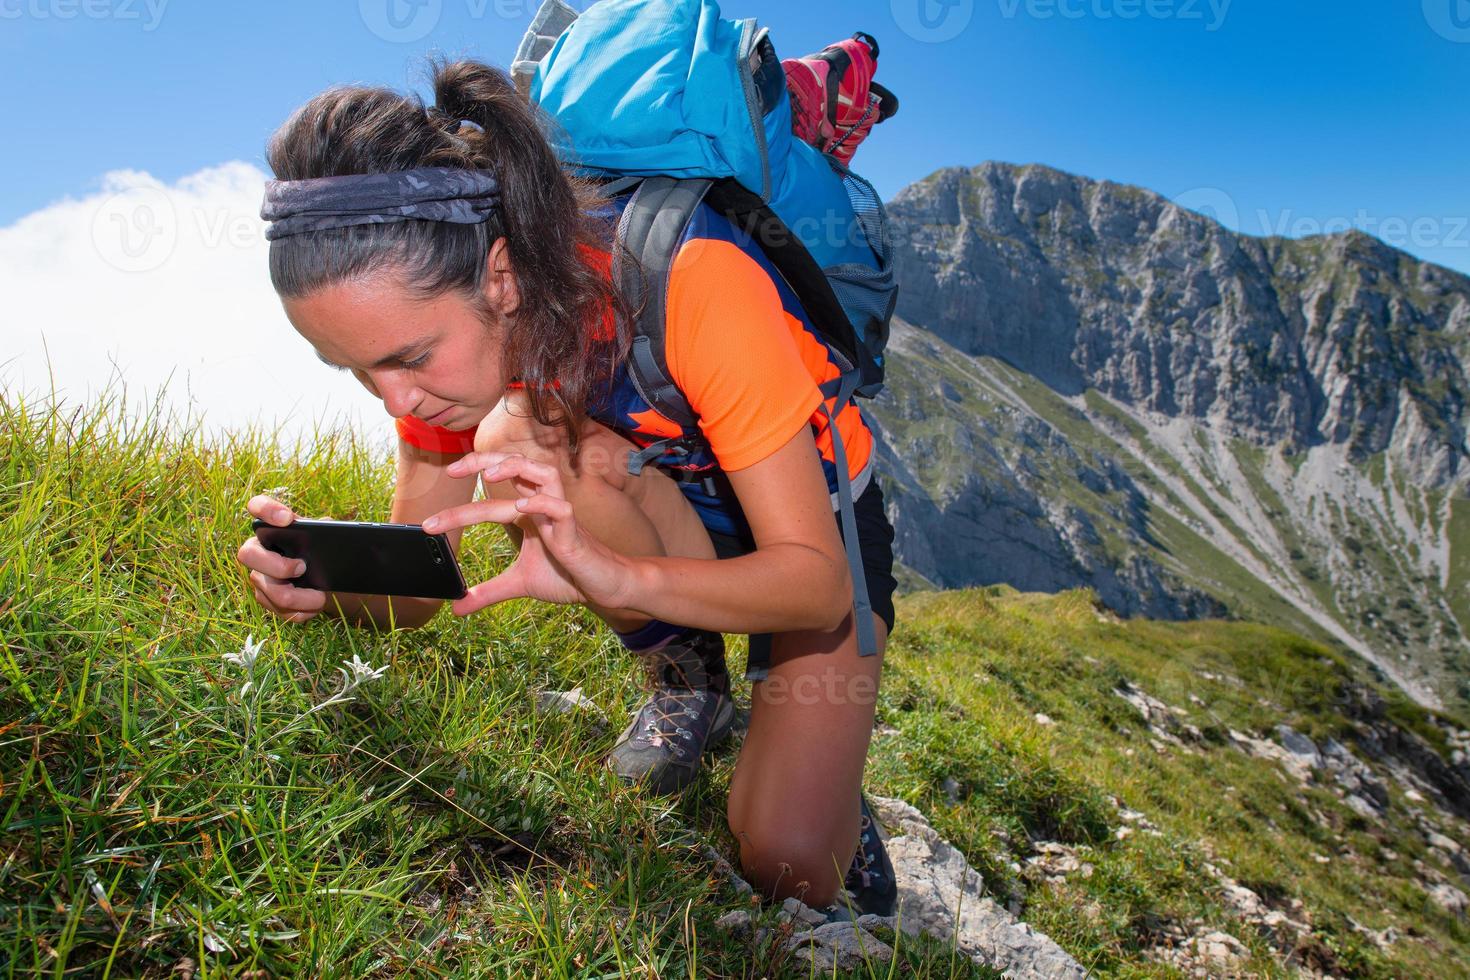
[938,894]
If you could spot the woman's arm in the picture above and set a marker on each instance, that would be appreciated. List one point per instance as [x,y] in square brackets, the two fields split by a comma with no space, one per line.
[422,487]
[797,579]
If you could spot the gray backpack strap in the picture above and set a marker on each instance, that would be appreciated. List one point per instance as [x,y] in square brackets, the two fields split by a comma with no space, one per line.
[651,228]
[862,606]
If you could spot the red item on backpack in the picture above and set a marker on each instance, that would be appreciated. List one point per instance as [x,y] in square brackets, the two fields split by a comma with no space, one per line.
[834,101]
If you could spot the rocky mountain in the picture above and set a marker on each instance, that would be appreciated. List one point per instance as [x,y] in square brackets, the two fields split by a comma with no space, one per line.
[1091,385]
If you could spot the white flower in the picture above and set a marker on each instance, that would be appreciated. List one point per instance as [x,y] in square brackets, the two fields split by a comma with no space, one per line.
[247,654]
[356,672]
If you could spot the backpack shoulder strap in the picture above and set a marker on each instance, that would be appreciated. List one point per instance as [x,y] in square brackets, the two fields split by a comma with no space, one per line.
[652,226]
[814,290]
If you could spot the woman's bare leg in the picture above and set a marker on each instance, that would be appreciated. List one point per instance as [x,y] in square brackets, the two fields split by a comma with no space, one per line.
[794,794]
[634,515]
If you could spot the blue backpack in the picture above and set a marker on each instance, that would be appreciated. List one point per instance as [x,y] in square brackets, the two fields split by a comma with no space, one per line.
[671,103]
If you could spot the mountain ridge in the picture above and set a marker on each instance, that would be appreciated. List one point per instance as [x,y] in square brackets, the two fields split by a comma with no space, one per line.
[1206,409]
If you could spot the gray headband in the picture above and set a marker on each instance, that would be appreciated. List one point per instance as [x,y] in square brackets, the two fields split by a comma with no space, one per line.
[455,195]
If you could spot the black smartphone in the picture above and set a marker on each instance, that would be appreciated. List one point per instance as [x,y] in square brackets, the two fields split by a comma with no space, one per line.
[375,559]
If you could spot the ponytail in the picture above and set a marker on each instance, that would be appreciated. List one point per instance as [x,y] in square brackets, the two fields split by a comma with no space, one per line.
[555,345]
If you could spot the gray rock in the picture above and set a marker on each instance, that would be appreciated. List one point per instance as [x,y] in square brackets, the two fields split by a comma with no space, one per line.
[1219,948]
[728,872]
[1299,745]
[1164,722]
[1361,806]
[1055,861]
[1450,898]
[1205,953]
[1297,764]
[1382,938]
[840,945]
[738,922]
[940,894]
[566,702]
[793,909]
[1366,792]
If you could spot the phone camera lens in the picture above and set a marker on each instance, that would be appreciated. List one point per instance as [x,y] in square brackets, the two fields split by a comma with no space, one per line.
[436,551]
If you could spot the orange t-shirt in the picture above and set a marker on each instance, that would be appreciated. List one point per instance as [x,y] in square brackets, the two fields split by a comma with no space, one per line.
[747,366]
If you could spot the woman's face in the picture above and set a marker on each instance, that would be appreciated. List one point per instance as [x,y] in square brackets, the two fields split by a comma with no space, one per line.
[433,359]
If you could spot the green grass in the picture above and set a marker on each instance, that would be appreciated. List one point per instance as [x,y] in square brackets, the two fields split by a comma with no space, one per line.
[978,664]
[153,808]
[161,804]
[1457,589]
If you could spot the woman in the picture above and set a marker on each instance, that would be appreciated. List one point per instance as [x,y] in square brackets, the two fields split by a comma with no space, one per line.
[467,285]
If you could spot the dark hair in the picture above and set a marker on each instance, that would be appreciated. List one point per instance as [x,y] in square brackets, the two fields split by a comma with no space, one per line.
[546,217]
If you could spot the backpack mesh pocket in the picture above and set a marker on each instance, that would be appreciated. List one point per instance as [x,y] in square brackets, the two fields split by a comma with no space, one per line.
[867,293]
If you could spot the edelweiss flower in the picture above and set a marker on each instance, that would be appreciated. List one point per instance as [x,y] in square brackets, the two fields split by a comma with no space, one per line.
[247,654]
[356,672]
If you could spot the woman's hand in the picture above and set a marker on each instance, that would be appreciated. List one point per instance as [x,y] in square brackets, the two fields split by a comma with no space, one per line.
[269,571]
[560,562]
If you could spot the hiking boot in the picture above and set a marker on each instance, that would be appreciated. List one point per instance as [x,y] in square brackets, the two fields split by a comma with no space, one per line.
[834,101]
[689,710]
[870,876]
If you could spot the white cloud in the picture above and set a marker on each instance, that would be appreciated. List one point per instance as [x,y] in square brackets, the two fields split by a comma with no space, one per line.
[156,285]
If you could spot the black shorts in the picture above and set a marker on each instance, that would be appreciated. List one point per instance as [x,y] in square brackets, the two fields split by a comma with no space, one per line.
[875,542]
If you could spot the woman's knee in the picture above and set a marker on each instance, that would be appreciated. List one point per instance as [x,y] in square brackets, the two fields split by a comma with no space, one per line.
[793,857]
[511,428]
[649,512]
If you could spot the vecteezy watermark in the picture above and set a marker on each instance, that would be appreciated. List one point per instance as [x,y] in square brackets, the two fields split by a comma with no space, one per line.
[830,686]
[1450,19]
[825,232]
[1211,202]
[1420,232]
[407,21]
[148,12]
[932,21]
[1193,246]
[401,21]
[1211,13]
[1407,232]
[138,229]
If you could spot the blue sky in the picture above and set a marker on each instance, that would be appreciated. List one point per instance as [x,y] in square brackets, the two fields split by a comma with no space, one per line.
[1304,113]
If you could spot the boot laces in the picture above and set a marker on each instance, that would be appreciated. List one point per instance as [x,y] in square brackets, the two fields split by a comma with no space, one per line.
[866,869]
[681,683]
